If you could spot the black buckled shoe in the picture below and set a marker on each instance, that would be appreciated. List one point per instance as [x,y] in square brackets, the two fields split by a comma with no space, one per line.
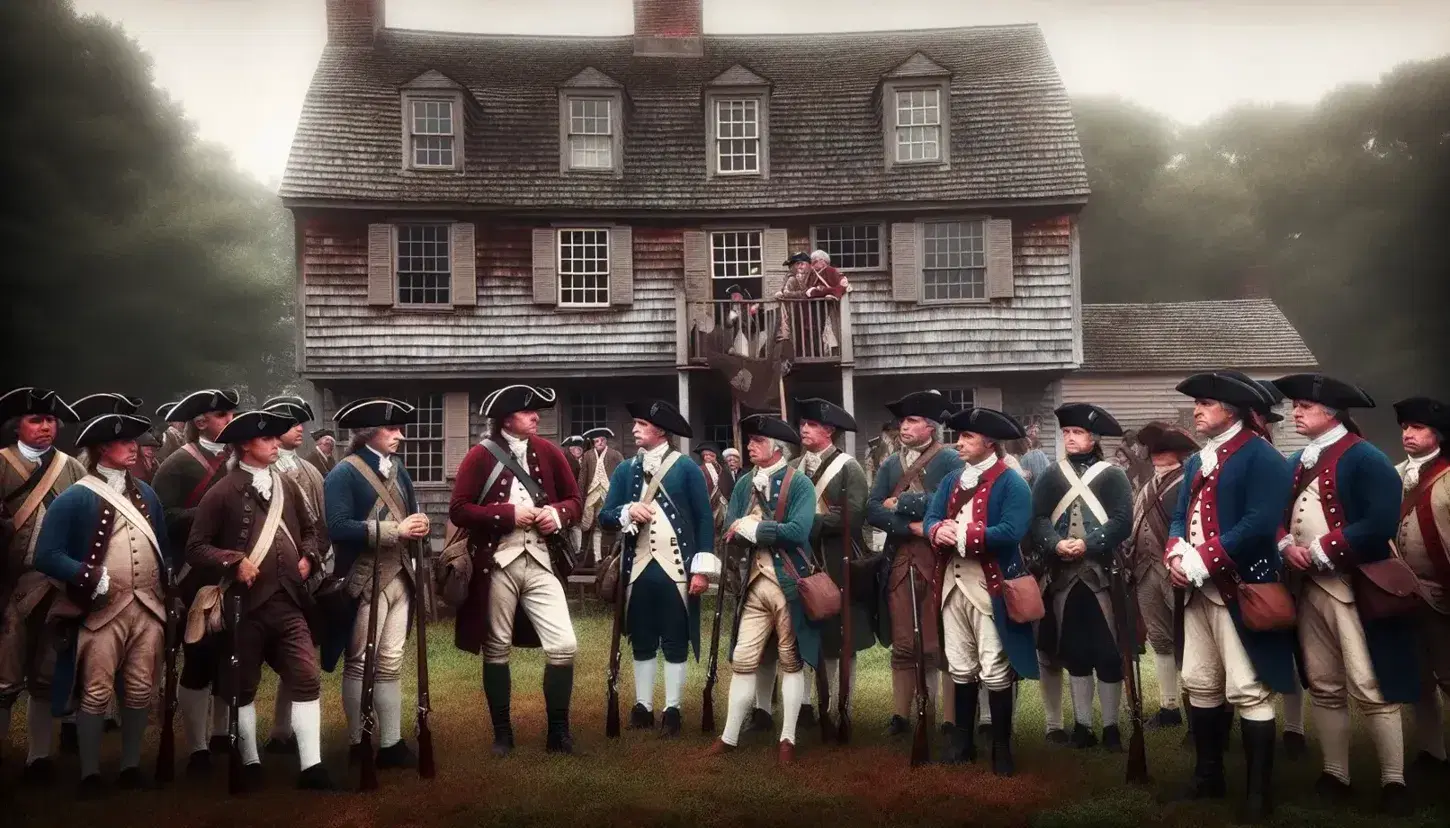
[640,718]
[39,774]
[1165,718]
[1333,792]
[199,763]
[559,741]
[1395,800]
[1083,737]
[1295,746]
[1057,736]
[254,777]
[670,723]
[397,756]
[1112,739]
[315,778]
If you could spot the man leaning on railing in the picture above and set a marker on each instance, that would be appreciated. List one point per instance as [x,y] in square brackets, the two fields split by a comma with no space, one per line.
[813,277]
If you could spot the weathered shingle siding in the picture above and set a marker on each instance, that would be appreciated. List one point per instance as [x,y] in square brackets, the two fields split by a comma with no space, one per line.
[1012,131]
[344,335]
[1191,336]
[1025,396]
[1034,330]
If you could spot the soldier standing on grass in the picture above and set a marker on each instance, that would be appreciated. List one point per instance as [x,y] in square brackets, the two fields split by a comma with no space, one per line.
[596,469]
[667,560]
[1082,511]
[516,595]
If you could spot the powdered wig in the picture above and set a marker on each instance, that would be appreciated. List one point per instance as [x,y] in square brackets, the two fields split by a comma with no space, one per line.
[360,438]
[820,256]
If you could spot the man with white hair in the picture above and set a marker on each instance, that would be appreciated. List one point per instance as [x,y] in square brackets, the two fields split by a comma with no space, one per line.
[826,280]
[596,468]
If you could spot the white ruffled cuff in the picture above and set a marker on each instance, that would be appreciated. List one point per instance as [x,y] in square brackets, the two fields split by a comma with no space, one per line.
[705,563]
[104,584]
[746,528]
[1321,560]
[1178,548]
[626,523]
[1193,566]
[1286,542]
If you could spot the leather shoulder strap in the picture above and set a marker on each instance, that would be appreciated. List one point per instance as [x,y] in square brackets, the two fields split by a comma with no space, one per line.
[506,458]
[213,471]
[383,493]
[658,480]
[909,476]
[1428,478]
[780,502]
[37,495]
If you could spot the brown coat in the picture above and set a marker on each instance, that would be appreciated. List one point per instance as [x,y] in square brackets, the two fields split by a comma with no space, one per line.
[226,521]
[322,462]
[612,459]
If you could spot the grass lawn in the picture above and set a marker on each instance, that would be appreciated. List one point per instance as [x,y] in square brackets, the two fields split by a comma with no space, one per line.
[640,780]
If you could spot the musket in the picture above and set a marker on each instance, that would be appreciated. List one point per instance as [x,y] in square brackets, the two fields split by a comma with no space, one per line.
[166,751]
[368,775]
[741,586]
[1128,647]
[235,771]
[621,586]
[423,587]
[707,706]
[920,744]
[848,648]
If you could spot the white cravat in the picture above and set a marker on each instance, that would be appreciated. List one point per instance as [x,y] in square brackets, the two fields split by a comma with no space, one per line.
[1320,443]
[31,454]
[972,474]
[652,458]
[209,447]
[286,460]
[1208,455]
[909,456]
[115,478]
[1413,466]
[385,463]
[761,480]
[261,480]
[518,447]
[810,461]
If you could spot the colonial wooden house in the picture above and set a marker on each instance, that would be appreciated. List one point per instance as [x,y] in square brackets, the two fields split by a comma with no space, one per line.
[477,210]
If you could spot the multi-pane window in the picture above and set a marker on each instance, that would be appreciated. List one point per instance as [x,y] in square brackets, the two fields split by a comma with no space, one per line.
[424,265]
[737,135]
[736,254]
[918,125]
[584,267]
[851,246]
[587,411]
[422,447]
[591,134]
[720,432]
[954,260]
[431,125]
[959,398]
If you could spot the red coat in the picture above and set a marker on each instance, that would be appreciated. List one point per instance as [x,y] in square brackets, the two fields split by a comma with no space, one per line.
[488,517]
[827,281]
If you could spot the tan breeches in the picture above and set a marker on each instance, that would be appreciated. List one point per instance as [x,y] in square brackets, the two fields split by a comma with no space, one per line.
[1155,602]
[393,608]
[524,582]
[1336,655]
[129,644]
[1216,667]
[973,647]
[766,611]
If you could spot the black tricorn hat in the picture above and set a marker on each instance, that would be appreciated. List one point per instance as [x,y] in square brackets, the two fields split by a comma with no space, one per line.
[511,398]
[198,403]
[931,405]
[323,432]
[708,445]
[375,412]
[1271,392]
[1225,387]
[768,426]
[987,422]
[824,412]
[297,408]
[1426,412]
[1092,418]
[164,411]
[1324,390]
[662,414]
[148,439]
[30,400]
[574,440]
[255,424]
[109,428]
[94,405]
[798,257]
[606,433]
[1159,437]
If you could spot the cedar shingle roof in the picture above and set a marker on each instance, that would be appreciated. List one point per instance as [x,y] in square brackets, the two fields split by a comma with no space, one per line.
[1191,336]
[1012,132]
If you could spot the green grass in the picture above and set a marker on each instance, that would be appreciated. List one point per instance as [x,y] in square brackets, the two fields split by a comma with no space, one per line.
[640,780]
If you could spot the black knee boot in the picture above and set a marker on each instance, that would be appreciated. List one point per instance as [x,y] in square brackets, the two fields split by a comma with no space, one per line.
[558,688]
[497,689]
[961,741]
[1258,738]
[1000,703]
[1208,748]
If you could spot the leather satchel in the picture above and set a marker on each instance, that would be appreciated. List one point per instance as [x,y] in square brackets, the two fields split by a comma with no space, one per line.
[1386,589]
[606,581]
[1023,598]
[819,594]
[1266,607]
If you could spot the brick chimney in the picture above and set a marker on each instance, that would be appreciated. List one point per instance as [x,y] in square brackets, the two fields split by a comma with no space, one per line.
[669,28]
[354,22]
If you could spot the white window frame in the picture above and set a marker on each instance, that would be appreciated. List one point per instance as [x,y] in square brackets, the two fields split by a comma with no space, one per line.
[446,228]
[930,135]
[959,398]
[881,245]
[560,274]
[614,101]
[586,399]
[761,102]
[759,233]
[891,117]
[413,440]
[411,135]
[923,228]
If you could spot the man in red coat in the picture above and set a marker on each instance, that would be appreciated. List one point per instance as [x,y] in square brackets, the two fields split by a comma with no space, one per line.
[515,596]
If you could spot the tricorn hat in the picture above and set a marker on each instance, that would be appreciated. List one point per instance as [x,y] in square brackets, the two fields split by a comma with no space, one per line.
[768,426]
[1160,437]
[293,406]
[707,445]
[108,428]
[148,439]
[1324,390]
[1426,412]
[987,422]
[375,412]
[198,403]
[164,411]
[511,398]
[661,414]
[255,424]
[931,405]
[798,257]
[323,432]
[824,412]
[573,440]
[1091,418]
[94,405]
[1225,387]
[607,433]
[30,400]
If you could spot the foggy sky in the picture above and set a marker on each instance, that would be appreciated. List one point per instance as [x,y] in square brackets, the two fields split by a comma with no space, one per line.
[241,67]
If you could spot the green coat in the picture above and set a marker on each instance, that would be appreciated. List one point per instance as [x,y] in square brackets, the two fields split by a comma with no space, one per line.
[847,487]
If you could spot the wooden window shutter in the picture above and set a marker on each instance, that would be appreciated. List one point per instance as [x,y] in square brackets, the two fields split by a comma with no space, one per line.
[380,265]
[621,266]
[546,267]
[905,272]
[464,288]
[456,437]
[987,398]
[697,270]
[775,247]
[999,258]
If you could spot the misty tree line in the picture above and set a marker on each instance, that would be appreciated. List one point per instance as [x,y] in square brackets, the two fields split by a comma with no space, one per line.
[142,260]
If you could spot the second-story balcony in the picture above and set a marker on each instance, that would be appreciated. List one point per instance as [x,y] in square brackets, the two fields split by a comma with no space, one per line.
[817,330]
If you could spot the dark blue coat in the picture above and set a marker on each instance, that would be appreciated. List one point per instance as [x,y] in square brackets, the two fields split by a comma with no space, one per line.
[1253,485]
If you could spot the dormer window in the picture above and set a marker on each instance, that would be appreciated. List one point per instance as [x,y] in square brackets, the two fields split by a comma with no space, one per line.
[591,124]
[433,116]
[737,122]
[916,113]
[918,125]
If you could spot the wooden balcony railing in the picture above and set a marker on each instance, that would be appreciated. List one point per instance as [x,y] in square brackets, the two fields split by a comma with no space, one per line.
[819,330]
